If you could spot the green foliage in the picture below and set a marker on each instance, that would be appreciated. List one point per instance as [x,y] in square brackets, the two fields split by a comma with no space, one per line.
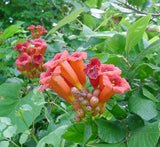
[145,136]
[17,109]
[135,32]
[123,34]
[111,132]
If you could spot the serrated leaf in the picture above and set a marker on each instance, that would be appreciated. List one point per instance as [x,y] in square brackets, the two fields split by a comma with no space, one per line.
[146,136]
[74,133]
[135,32]
[145,108]
[149,95]
[111,131]
[71,17]
[54,138]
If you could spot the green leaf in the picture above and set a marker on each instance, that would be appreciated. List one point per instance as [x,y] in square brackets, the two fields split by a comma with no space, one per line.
[119,61]
[87,133]
[149,95]
[24,137]
[71,17]
[10,31]
[111,131]
[135,32]
[90,132]
[75,133]
[146,136]
[134,121]
[108,145]
[117,44]
[152,47]
[145,108]
[89,20]
[136,2]
[12,103]
[118,111]
[89,33]
[9,132]
[4,143]
[54,138]
[142,71]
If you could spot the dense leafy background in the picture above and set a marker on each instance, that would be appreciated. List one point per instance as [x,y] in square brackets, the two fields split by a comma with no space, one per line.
[123,33]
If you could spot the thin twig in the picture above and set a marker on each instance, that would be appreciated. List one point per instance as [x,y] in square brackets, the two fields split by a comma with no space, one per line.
[138,11]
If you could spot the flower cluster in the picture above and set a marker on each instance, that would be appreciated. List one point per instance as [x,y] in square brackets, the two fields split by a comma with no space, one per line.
[30,60]
[66,76]
[37,31]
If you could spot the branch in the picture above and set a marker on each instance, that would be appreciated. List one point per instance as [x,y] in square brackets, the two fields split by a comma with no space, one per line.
[136,10]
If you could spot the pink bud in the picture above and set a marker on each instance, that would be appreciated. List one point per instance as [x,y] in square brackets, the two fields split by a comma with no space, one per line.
[94,101]
[88,108]
[85,102]
[80,113]
[89,95]
[96,92]
[97,108]
[77,119]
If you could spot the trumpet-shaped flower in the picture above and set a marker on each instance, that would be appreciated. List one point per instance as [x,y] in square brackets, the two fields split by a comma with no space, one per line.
[76,62]
[39,46]
[37,59]
[66,70]
[92,70]
[53,80]
[23,62]
[112,85]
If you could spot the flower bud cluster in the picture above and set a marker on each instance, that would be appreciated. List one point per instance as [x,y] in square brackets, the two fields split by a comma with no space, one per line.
[37,31]
[30,60]
[86,104]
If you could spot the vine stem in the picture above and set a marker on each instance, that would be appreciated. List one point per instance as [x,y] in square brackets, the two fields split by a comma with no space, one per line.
[21,115]
[54,102]
[10,141]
